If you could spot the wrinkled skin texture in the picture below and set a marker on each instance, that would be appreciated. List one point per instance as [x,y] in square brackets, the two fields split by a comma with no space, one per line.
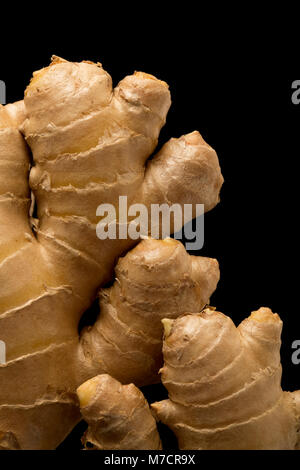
[118,415]
[224,384]
[89,145]
[156,280]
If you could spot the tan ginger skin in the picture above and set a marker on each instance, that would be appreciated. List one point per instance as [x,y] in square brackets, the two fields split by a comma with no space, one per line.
[156,279]
[224,384]
[89,144]
[119,417]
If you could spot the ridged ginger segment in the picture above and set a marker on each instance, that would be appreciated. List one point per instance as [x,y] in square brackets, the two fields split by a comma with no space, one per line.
[87,144]
[118,416]
[157,279]
[224,384]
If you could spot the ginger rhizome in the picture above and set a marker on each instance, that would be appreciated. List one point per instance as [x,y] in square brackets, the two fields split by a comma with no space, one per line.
[156,280]
[224,384]
[118,415]
[73,144]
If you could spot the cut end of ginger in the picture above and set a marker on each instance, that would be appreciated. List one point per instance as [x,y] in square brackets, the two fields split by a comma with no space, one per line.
[87,391]
[194,138]
[264,314]
[148,76]
[167,323]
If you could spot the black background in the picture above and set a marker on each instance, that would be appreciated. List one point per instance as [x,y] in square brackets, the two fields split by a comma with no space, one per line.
[233,86]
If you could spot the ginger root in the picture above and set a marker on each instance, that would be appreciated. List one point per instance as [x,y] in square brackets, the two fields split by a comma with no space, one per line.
[156,280]
[90,144]
[118,415]
[224,384]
